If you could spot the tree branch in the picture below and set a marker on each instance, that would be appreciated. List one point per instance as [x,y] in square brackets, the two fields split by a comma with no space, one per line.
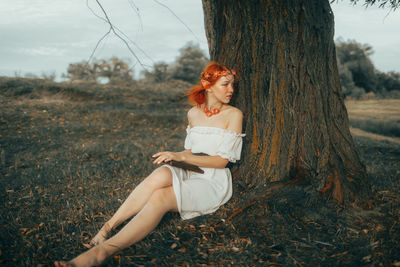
[394,4]
[117,32]
[178,18]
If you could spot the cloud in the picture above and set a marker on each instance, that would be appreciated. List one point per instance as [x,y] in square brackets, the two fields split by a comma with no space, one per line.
[42,51]
[67,31]
[63,32]
[374,26]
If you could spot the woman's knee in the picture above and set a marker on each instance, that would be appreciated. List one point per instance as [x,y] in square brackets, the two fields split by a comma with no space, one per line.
[160,177]
[164,198]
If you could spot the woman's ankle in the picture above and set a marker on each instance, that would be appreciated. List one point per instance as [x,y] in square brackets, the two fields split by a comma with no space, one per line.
[101,254]
[107,227]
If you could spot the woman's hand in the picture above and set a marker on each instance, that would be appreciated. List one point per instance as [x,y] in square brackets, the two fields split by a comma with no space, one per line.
[166,156]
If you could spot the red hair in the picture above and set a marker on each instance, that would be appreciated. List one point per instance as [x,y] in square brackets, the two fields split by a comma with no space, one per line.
[211,73]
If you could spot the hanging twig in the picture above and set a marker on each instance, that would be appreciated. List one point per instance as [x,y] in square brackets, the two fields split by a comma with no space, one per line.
[114,29]
[120,31]
[97,45]
[394,4]
[178,18]
[136,9]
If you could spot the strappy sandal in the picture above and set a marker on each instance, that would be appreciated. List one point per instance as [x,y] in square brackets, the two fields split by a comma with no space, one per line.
[101,236]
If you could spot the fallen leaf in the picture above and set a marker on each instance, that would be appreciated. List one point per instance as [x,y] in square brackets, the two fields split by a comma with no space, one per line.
[86,245]
[367,258]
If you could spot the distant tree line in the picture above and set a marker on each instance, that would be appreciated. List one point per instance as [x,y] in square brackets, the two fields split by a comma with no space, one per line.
[358,75]
[359,78]
[187,67]
[112,71]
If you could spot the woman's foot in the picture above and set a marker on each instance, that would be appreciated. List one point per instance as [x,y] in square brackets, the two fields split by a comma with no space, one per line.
[101,235]
[63,264]
[92,257]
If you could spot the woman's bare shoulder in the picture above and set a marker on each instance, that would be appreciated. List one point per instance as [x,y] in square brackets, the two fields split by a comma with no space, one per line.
[235,119]
[191,112]
[234,112]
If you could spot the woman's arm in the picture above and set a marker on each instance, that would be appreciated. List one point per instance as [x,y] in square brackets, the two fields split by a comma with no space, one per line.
[235,120]
[187,156]
[205,161]
[235,124]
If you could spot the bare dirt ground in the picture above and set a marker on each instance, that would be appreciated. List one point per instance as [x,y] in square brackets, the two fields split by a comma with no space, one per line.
[70,156]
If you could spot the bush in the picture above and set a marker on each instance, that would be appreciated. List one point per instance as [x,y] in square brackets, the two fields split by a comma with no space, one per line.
[389,81]
[354,57]
[189,64]
[357,93]
[159,74]
[394,94]
[359,76]
[113,71]
[187,67]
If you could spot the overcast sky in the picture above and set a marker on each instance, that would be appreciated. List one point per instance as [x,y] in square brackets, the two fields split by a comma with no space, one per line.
[39,36]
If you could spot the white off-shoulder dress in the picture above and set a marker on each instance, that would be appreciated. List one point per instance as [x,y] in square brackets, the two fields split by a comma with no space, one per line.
[197,193]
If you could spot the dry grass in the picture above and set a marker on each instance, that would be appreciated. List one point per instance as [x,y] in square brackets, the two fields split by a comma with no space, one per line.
[377,116]
[359,132]
[70,155]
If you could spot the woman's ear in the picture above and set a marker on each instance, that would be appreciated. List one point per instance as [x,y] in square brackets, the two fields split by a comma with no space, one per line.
[204,83]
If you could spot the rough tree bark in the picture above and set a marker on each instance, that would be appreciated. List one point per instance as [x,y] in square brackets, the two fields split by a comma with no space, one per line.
[294,113]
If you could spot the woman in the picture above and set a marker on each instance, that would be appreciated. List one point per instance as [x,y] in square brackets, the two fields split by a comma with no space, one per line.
[214,129]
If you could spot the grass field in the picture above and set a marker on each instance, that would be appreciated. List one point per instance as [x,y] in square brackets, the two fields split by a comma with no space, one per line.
[70,154]
[376,116]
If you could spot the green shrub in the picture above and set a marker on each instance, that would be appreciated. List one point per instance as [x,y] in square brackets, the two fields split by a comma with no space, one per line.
[358,75]
[189,64]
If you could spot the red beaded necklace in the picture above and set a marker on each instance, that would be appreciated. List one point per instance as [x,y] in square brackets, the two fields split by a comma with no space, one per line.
[209,113]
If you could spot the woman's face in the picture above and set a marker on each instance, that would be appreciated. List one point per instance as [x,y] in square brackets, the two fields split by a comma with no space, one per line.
[222,90]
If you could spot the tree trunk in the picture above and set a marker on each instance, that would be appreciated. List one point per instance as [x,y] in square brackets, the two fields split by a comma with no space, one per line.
[295,119]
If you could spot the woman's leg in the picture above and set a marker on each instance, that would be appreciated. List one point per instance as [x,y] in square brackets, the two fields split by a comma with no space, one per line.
[160,202]
[159,178]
